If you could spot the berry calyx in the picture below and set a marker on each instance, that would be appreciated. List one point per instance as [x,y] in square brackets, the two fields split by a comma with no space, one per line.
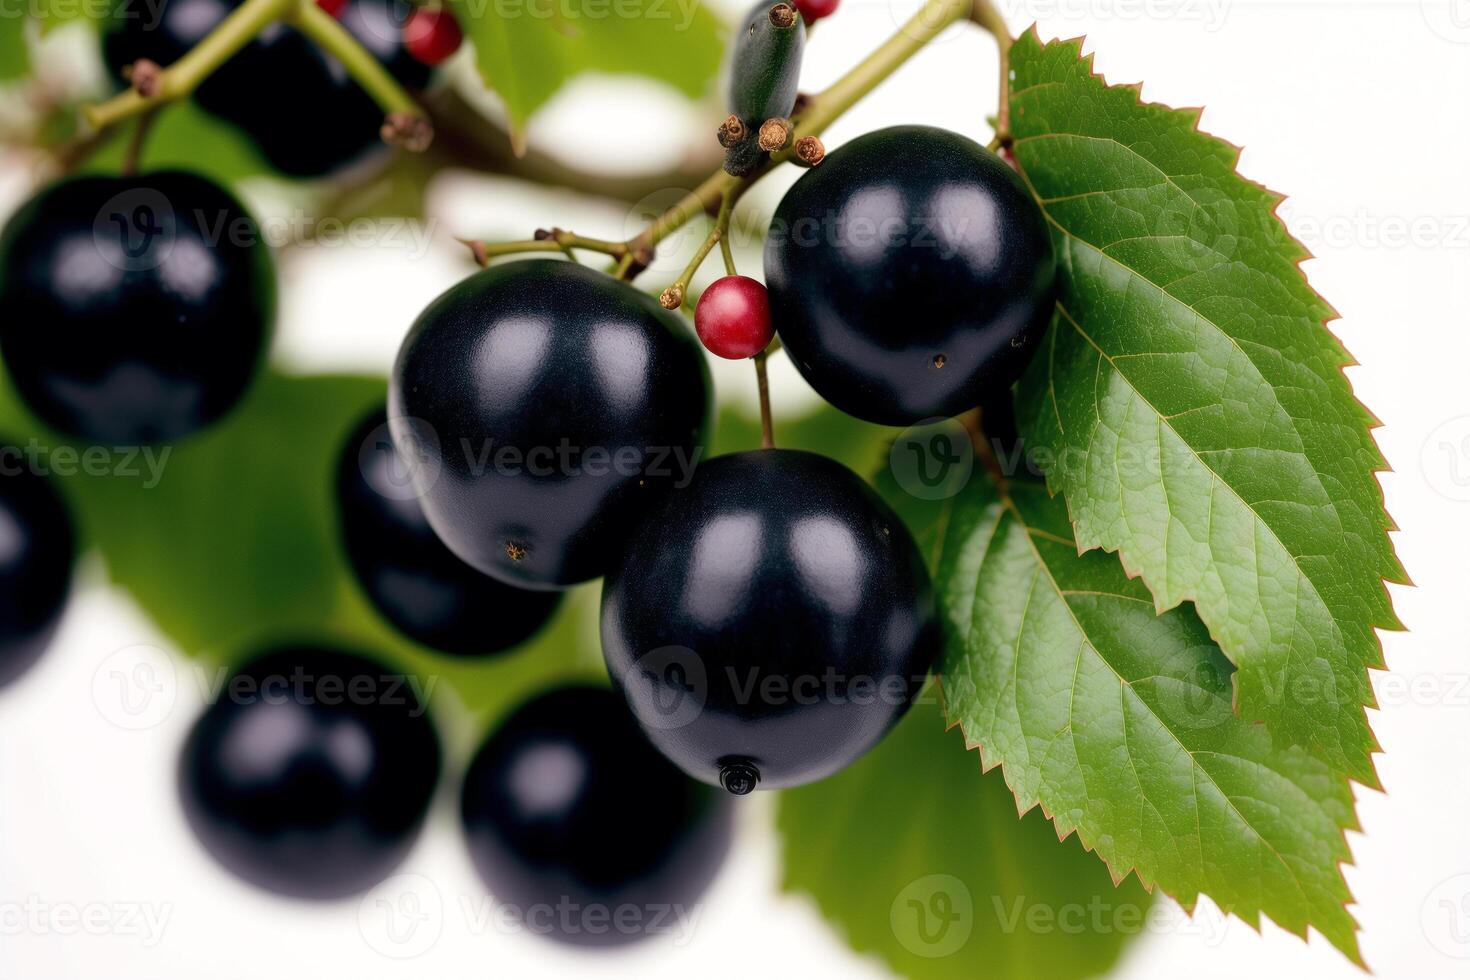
[567,805]
[432,35]
[415,582]
[770,621]
[312,773]
[814,10]
[733,318]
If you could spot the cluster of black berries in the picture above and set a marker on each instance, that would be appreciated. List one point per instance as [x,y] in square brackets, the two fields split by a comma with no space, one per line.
[766,618]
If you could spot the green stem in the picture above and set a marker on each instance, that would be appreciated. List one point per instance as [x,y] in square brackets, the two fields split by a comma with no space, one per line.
[826,106]
[133,157]
[763,388]
[990,19]
[673,297]
[369,73]
[186,74]
[721,190]
[243,24]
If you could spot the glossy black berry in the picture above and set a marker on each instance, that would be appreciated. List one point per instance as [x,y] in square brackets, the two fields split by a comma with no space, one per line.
[303,110]
[133,309]
[549,403]
[909,274]
[415,582]
[769,622]
[37,546]
[575,822]
[312,772]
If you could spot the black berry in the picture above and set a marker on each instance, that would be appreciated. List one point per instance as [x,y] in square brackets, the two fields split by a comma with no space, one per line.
[311,774]
[769,622]
[133,309]
[550,403]
[910,274]
[576,822]
[409,576]
[299,105]
[37,545]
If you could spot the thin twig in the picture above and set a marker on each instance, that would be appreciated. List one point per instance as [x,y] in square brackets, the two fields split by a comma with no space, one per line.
[763,386]
[133,156]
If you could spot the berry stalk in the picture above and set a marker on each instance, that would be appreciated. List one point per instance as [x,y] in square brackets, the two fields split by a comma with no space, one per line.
[406,122]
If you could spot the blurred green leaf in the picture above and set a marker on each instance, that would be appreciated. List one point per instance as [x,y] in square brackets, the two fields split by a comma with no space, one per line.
[919,858]
[235,545]
[527,49]
[186,137]
[15,58]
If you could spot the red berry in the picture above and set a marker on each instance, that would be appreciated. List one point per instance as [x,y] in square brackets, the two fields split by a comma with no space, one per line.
[432,34]
[812,10]
[333,7]
[733,318]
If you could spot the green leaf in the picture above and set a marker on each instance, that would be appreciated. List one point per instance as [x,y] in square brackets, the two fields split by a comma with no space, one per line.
[918,858]
[527,49]
[1190,406]
[1118,721]
[15,57]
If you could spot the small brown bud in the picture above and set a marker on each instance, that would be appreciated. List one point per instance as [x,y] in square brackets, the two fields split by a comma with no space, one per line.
[408,130]
[145,76]
[544,234]
[774,135]
[783,15]
[732,131]
[672,298]
[810,151]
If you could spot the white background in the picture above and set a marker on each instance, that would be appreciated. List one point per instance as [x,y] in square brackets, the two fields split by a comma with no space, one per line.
[1356,110]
